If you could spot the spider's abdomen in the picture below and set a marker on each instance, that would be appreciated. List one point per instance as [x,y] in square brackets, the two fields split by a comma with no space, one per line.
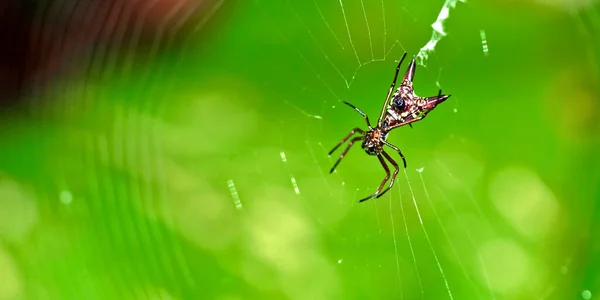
[403,109]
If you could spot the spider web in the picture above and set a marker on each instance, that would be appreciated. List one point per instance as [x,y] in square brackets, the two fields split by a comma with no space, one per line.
[406,247]
[433,236]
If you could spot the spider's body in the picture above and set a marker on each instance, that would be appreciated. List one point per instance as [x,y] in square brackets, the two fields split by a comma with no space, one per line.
[373,141]
[406,107]
[402,108]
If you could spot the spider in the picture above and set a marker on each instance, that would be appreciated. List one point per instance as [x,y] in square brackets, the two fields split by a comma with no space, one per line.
[405,108]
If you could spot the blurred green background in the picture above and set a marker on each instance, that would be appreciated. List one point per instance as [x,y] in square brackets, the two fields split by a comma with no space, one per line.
[190,160]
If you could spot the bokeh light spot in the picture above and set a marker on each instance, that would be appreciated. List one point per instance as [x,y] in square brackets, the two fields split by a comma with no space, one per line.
[18,213]
[10,284]
[586,294]
[524,201]
[66,197]
[507,265]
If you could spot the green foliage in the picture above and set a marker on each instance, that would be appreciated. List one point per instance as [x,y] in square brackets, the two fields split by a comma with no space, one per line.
[199,170]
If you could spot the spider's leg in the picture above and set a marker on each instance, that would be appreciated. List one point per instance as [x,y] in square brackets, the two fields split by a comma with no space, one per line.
[387,176]
[393,175]
[387,98]
[353,131]
[360,112]
[358,138]
[410,124]
[397,150]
